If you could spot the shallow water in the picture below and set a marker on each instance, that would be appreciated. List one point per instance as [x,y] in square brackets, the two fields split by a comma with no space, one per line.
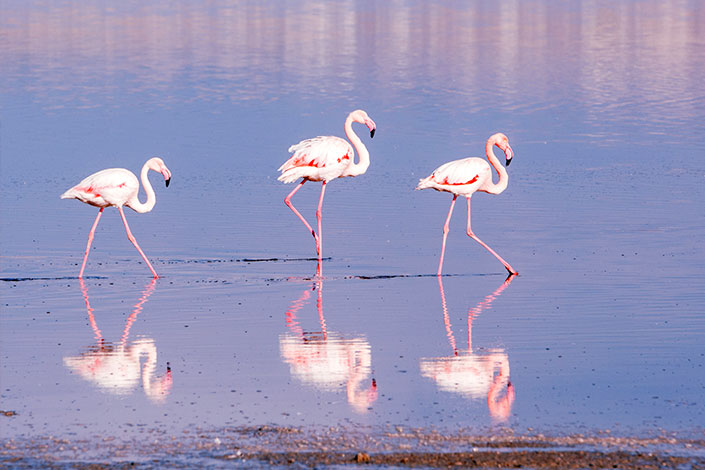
[602,330]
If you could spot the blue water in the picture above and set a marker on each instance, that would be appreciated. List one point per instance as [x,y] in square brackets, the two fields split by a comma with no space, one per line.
[604,108]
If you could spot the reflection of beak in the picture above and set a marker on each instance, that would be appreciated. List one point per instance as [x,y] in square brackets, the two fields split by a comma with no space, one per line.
[372,392]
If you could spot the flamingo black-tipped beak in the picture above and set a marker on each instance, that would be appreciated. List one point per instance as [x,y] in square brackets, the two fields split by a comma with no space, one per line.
[167,182]
[372,133]
[508,154]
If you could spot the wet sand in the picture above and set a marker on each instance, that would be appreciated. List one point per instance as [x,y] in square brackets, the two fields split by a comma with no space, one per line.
[265,446]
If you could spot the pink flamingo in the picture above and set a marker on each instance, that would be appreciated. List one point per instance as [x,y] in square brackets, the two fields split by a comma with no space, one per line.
[326,158]
[118,187]
[464,177]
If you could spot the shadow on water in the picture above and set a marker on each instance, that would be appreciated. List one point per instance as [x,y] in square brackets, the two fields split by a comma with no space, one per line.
[240,260]
[62,278]
[398,276]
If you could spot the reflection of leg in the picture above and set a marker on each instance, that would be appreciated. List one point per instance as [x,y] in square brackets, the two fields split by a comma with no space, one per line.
[446,229]
[474,237]
[446,318]
[91,318]
[287,201]
[134,242]
[319,240]
[90,240]
[136,311]
[296,305]
[319,307]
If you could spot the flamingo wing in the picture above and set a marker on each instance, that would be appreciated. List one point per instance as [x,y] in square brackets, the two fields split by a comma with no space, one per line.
[467,174]
[318,159]
[460,172]
[111,187]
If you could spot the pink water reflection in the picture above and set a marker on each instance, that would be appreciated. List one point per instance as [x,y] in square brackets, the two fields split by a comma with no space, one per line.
[328,360]
[634,60]
[117,368]
[471,373]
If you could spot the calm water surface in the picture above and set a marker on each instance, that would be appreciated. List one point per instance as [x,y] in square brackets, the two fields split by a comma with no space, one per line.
[603,329]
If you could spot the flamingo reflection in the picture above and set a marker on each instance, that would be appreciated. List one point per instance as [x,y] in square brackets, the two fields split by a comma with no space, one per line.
[326,359]
[117,368]
[470,373]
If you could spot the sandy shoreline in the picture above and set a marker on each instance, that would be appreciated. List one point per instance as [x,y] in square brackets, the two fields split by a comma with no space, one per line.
[268,446]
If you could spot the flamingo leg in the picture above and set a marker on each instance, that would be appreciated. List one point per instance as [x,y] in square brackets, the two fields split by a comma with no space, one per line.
[90,241]
[319,240]
[287,201]
[474,237]
[134,242]
[446,229]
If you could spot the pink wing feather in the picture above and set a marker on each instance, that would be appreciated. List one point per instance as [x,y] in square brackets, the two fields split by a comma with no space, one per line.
[111,187]
[459,176]
[318,159]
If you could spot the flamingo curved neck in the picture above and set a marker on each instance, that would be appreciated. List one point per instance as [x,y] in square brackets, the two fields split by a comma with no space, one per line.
[503,181]
[363,155]
[148,205]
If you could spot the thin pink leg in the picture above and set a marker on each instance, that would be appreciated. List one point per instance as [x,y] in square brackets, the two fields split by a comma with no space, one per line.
[319,240]
[474,237]
[287,201]
[134,242]
[90,240]
[446,229]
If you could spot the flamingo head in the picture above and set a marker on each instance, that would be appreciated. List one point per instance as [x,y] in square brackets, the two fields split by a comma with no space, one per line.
[501,141]
[362,117]
[157,164]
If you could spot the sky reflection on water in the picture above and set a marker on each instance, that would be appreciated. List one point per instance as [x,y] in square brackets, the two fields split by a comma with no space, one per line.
[622,66]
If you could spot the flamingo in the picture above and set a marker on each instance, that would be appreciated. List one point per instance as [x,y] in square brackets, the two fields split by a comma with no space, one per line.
[326,158]
[464,177]
[118,187]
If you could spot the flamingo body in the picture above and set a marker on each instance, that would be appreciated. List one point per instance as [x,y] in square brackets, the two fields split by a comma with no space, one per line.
[323,159]
[465,177]
[461,177]
[118,187]
[110,187]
